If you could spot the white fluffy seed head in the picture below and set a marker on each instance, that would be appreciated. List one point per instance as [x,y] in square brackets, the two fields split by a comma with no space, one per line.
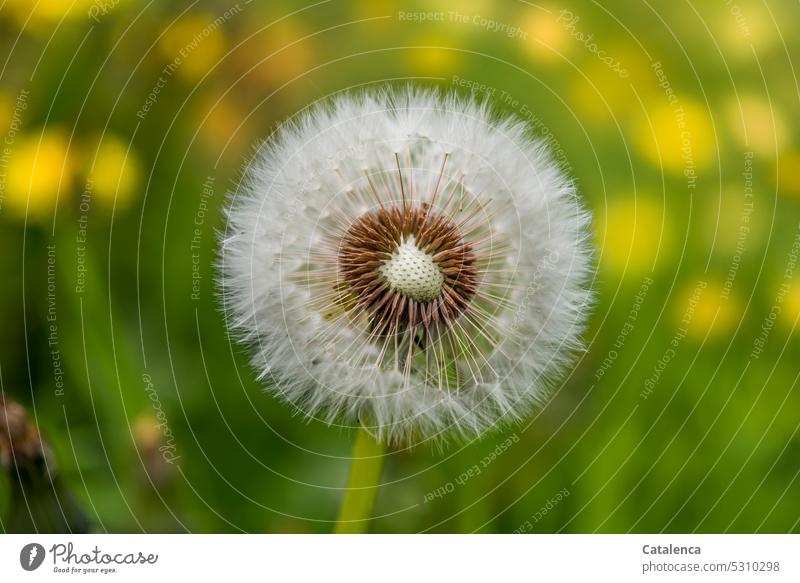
[410,261]
[413,272]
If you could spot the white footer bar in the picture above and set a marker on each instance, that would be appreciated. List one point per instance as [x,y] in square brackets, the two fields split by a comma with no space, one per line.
[401,558]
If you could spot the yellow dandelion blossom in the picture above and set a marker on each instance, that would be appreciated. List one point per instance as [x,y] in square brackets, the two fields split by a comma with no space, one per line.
[115,172]
[146,432]
[735,224]
[39,168]
[708,309]
[40,17]
[432,56]
[790,308]
[757,124]
[548,33]
[376,10]
[600,92]
[676,134]
[284,52]
[195,44]
[786,173]
[222,117]
[6,111]
[747,27]
[633,234]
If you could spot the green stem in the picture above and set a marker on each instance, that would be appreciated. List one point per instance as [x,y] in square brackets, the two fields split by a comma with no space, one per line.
[362,485]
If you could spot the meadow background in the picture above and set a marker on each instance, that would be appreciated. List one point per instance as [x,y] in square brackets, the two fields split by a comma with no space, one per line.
[125,123]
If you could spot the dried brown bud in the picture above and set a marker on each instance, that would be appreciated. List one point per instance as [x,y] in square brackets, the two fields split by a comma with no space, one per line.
[20,441]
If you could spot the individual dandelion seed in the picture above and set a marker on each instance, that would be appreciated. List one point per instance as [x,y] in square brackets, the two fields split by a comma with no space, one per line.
[408,259]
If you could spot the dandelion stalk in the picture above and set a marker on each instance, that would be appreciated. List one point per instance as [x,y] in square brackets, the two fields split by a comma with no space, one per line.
[362,485]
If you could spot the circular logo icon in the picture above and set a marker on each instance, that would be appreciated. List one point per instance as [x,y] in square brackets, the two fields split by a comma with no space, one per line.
[31,556]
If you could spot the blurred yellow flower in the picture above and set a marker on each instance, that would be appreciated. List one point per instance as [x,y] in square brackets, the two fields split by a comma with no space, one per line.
[146,432]
[747,27]
[598,93]
[115,172]
[39,168]
[786,173]
[790,311]
[633,234]
[195,44]
[154,448]
[375,9]
[283,53]
[547,34]
[707,309]
[756,124]
[6,111]
[676,136]
[596,99]
[39,17]
[734,223]
[223,117]
[431,56]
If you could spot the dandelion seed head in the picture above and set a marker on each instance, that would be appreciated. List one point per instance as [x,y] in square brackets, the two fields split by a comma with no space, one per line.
[407,260]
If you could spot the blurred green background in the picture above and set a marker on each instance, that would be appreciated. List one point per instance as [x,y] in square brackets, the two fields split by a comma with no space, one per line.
[126,122]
